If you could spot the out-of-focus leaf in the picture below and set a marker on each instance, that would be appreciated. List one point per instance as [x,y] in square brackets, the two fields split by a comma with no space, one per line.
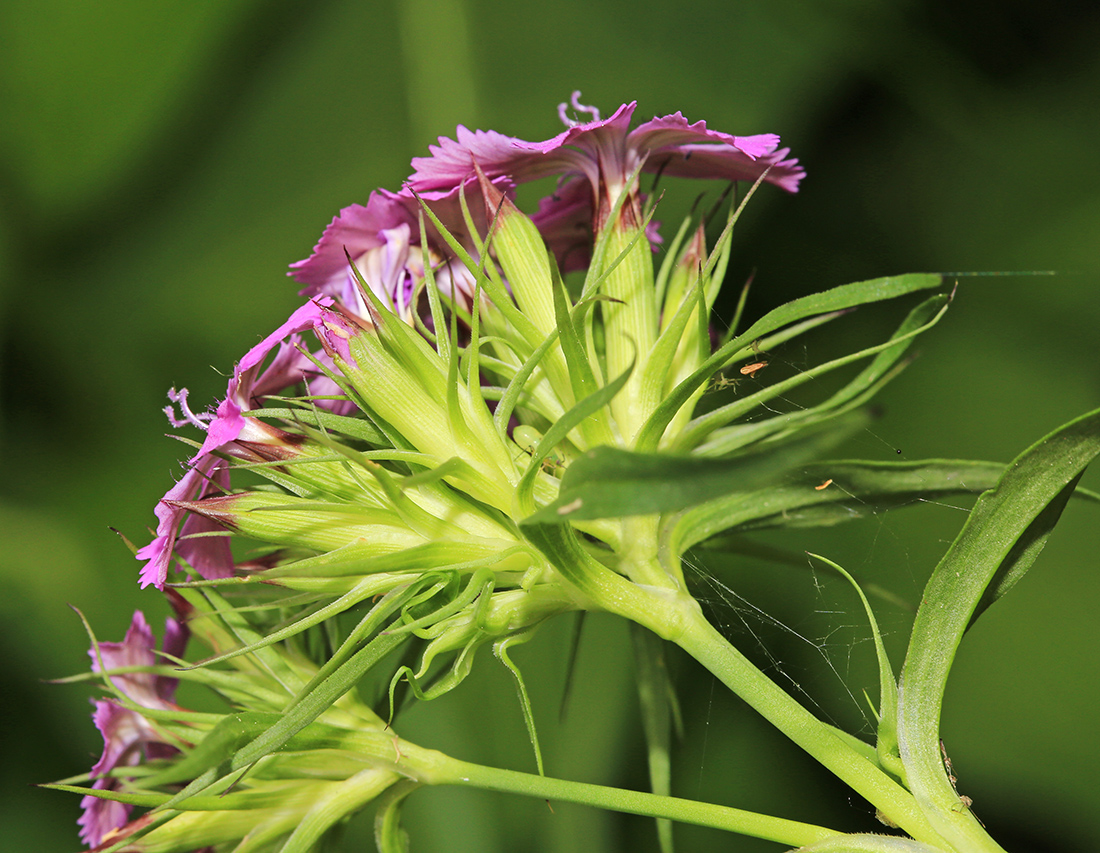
[658,708]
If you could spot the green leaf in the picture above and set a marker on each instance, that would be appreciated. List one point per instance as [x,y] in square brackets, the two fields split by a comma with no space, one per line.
[1001,539]
[360,428]
[609,482]
[836,299]
[880,371]
[827,493]
[887,748]
[500,649]
[389,837]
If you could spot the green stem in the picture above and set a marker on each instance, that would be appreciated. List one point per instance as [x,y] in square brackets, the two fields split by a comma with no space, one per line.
[435,768]
[700,639]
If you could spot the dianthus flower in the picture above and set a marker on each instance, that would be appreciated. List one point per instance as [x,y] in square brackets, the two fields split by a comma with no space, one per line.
[605,152]
[231,433]
[128,737]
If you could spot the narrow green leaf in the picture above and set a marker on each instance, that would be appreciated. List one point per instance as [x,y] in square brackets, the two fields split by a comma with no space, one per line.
[215,749]
[865,384]
[1001,538]
[500,649]
[496,290]
[580,369]
[671,259]
[836,299]
[517,386]
[359,428]
[887,749]
[827,493]
[557,433]
[609,482]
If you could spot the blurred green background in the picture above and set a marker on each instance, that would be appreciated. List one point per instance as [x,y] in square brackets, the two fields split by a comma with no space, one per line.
[162,163]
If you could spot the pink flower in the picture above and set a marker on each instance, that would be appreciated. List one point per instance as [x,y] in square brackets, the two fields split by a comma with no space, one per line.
[210,556]
[229,432]
[606,152]
[128,737]
[383,241]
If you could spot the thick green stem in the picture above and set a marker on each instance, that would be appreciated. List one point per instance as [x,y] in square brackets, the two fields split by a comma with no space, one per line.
[700,639]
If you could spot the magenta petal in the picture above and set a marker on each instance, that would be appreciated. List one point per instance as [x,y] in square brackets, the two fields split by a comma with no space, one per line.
[306,317]
[676,148]
[120,728]
[452,161]
[606,150]
[158,553]
[210,556]
[590,149]
[136,648]
[176,635]
[335,334]
[101,816]
[226,426]
[713,161]
[675,130]
[357,229]
[289,367]
[127,738]
[127,735]
[581,149]
[565,221]
[229,423]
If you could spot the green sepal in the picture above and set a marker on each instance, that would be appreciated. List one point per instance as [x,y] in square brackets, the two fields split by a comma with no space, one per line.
[291,521]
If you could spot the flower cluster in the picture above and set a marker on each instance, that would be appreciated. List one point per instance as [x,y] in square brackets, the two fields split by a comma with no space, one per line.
[391,248]
[407,445]
[479,419]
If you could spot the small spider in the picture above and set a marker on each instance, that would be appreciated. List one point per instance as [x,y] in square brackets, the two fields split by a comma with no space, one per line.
[722,382]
